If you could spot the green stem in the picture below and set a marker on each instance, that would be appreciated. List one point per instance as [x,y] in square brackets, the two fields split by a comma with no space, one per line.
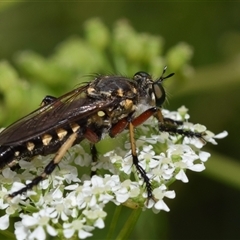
[129,225]
[113,224]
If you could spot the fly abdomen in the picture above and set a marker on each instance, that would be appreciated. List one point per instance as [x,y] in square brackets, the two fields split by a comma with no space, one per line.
[7,155]
[45,144]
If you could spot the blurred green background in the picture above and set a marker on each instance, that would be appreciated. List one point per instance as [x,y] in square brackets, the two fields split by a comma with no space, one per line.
[208,207]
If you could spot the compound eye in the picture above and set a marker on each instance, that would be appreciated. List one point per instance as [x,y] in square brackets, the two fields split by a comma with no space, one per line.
[141,75]
[159,93]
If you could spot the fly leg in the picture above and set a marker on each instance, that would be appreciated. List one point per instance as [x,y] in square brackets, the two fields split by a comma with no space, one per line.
[94,154]
[86,133]
[93,138]
[136,162]
[172,127]
[131,124]
[50,167]
[165,124]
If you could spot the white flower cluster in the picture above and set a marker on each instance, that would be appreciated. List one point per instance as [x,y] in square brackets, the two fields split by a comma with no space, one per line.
[69,204]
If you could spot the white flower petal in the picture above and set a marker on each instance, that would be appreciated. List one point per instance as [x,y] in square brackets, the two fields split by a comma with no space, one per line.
[83,234]
[197,167]
[204,156]
[72,187]
[221,135]
[170,194]
[161,205]
[68,233]
[38,233]
[29,221]
[51,231]
[182,176]
[122,195]
[99,223]
[8,173]
[21,232]
[64,217]
[4,222]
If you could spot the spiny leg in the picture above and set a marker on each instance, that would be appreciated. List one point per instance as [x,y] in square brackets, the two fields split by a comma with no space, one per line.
[172,127]
[131,123]
[50,167]
[128,122]
[94,154]
[165,124]
[136,162]
[93,138]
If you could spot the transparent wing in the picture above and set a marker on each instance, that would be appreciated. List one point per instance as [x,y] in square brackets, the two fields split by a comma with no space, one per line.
[68,108]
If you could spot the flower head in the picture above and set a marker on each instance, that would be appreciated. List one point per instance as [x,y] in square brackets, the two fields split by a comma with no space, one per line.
[68,204]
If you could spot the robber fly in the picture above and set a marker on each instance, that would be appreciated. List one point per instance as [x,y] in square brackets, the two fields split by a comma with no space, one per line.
[106,105]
